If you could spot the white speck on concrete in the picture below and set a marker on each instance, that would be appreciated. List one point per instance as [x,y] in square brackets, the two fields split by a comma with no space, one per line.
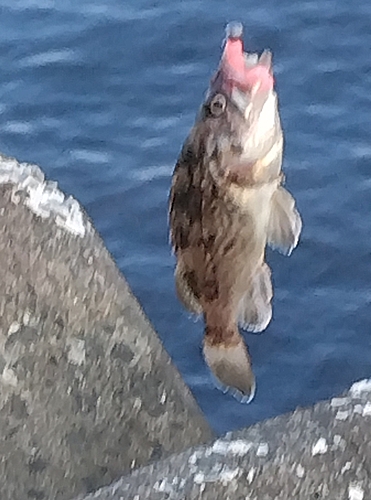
[9,377]
[355,492]
[157,486]
[14,327]
[263,450]
[339,442]
[342,415]
[320,447]
[220,447]
[163,486]
[336,402]
[360,387]
[337,439]
[137,405]
[238,447]
[227,475]
[300,471]
[219,473]
[358,409]
[26,318]
[163,398]
[166,486]
[346,467]
[194,458]
[367,410]
[251,475]
[216,469]
[199,478]
[42,197]
[76,353]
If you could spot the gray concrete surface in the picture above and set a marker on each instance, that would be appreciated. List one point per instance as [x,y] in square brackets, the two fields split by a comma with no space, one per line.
[86,390]
[323,452]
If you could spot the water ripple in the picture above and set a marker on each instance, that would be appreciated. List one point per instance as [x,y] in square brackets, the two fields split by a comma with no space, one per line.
[49,57]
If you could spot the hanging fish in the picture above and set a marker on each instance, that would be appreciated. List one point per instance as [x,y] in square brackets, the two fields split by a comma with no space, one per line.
[227,202]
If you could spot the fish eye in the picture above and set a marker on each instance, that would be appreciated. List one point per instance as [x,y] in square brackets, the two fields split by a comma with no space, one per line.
[217,105]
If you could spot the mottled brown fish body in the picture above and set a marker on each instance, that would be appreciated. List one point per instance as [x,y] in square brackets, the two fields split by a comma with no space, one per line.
[226,204]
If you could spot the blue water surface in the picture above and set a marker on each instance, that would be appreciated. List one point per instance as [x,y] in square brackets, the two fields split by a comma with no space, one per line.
[101,95]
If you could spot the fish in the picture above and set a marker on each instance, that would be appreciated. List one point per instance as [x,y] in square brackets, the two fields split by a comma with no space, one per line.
[227,203]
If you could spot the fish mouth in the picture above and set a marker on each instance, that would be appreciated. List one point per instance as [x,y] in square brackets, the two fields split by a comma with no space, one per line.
[242,76]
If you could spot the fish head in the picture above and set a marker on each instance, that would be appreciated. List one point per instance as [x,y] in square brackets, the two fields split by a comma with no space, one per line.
[238,122]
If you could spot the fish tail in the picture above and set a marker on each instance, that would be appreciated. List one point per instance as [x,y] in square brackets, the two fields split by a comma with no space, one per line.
[226,354]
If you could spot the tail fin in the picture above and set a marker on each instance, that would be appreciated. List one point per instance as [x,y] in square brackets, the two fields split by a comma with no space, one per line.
[230,363]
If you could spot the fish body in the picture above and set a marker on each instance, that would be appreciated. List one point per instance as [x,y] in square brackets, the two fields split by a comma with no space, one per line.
[227,202]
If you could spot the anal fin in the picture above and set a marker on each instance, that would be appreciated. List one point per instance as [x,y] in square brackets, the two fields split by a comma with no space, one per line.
[184,291]
[255,309]
[285,223]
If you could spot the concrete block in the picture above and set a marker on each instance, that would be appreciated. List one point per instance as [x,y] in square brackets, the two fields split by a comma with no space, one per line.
[87,391]
[314,453]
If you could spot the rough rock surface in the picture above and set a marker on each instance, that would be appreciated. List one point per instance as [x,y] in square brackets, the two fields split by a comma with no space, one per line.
[316,453]
[87,391]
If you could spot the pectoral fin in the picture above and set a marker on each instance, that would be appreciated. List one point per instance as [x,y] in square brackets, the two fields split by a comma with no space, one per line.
[255,310]
[285,222]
